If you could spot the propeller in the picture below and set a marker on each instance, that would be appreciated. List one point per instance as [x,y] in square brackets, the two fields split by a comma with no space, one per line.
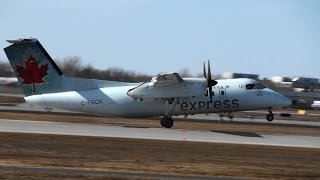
[210,81]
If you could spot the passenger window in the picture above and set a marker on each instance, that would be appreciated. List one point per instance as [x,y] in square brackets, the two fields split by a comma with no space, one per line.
[250,86]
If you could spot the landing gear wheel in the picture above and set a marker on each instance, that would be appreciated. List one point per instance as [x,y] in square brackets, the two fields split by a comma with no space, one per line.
[230,116]
[270,117]
[166,122]
[162,122]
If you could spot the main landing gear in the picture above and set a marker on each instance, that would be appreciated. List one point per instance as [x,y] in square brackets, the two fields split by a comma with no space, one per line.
[229,115]
[169,105]
[270,116]
[166,122]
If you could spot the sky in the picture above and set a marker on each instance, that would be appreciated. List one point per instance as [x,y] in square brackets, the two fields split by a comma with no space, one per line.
[266,37]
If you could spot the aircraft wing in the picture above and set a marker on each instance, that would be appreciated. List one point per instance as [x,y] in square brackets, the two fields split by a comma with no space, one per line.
[168,85]
[166,79]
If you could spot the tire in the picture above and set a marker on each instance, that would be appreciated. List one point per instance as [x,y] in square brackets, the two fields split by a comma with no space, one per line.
[270,117]
[162,121]
[167,122]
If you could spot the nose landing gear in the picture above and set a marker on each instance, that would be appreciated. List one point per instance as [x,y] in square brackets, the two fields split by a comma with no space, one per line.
[169,105]
[270,116]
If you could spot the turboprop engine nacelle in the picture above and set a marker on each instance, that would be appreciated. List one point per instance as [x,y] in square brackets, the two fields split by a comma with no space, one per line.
[187,88]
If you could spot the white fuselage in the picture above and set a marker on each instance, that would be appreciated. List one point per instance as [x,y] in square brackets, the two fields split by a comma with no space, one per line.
[229,95]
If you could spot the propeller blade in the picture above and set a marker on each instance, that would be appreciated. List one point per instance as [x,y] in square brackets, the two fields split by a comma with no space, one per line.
[204,70]
[209,73]
[210,81]
[210,93]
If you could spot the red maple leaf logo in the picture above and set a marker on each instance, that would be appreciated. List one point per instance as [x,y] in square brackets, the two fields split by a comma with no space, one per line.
[32,73]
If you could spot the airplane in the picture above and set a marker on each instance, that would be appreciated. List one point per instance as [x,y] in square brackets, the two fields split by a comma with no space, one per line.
[165,95]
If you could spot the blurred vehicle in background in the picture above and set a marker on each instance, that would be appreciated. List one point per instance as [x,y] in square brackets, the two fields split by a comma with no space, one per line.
[315,105]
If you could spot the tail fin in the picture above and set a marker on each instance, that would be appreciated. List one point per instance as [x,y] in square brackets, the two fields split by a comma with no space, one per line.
[37,73]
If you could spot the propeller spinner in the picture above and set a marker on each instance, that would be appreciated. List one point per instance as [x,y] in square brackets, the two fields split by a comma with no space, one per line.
[210,81]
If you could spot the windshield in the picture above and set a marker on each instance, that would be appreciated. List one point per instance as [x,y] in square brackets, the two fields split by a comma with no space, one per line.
[255,86]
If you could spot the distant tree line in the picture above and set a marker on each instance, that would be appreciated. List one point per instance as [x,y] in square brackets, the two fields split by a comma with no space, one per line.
[5,70]
[72,66]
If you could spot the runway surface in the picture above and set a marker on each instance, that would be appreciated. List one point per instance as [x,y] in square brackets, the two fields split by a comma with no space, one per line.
[215,117]
[100,173]
[24,107]
[103,130]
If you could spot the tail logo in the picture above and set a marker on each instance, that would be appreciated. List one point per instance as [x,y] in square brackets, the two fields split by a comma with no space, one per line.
[32,73]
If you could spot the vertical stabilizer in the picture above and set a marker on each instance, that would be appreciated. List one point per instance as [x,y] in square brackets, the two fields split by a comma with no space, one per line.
[37,73]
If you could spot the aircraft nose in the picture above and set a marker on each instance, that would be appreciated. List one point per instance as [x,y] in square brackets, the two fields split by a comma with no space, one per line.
[286,101]
[130,92]
[278,100]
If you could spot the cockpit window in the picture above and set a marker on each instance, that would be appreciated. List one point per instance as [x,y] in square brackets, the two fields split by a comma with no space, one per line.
[250,86]
[259,86]
[255,86]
